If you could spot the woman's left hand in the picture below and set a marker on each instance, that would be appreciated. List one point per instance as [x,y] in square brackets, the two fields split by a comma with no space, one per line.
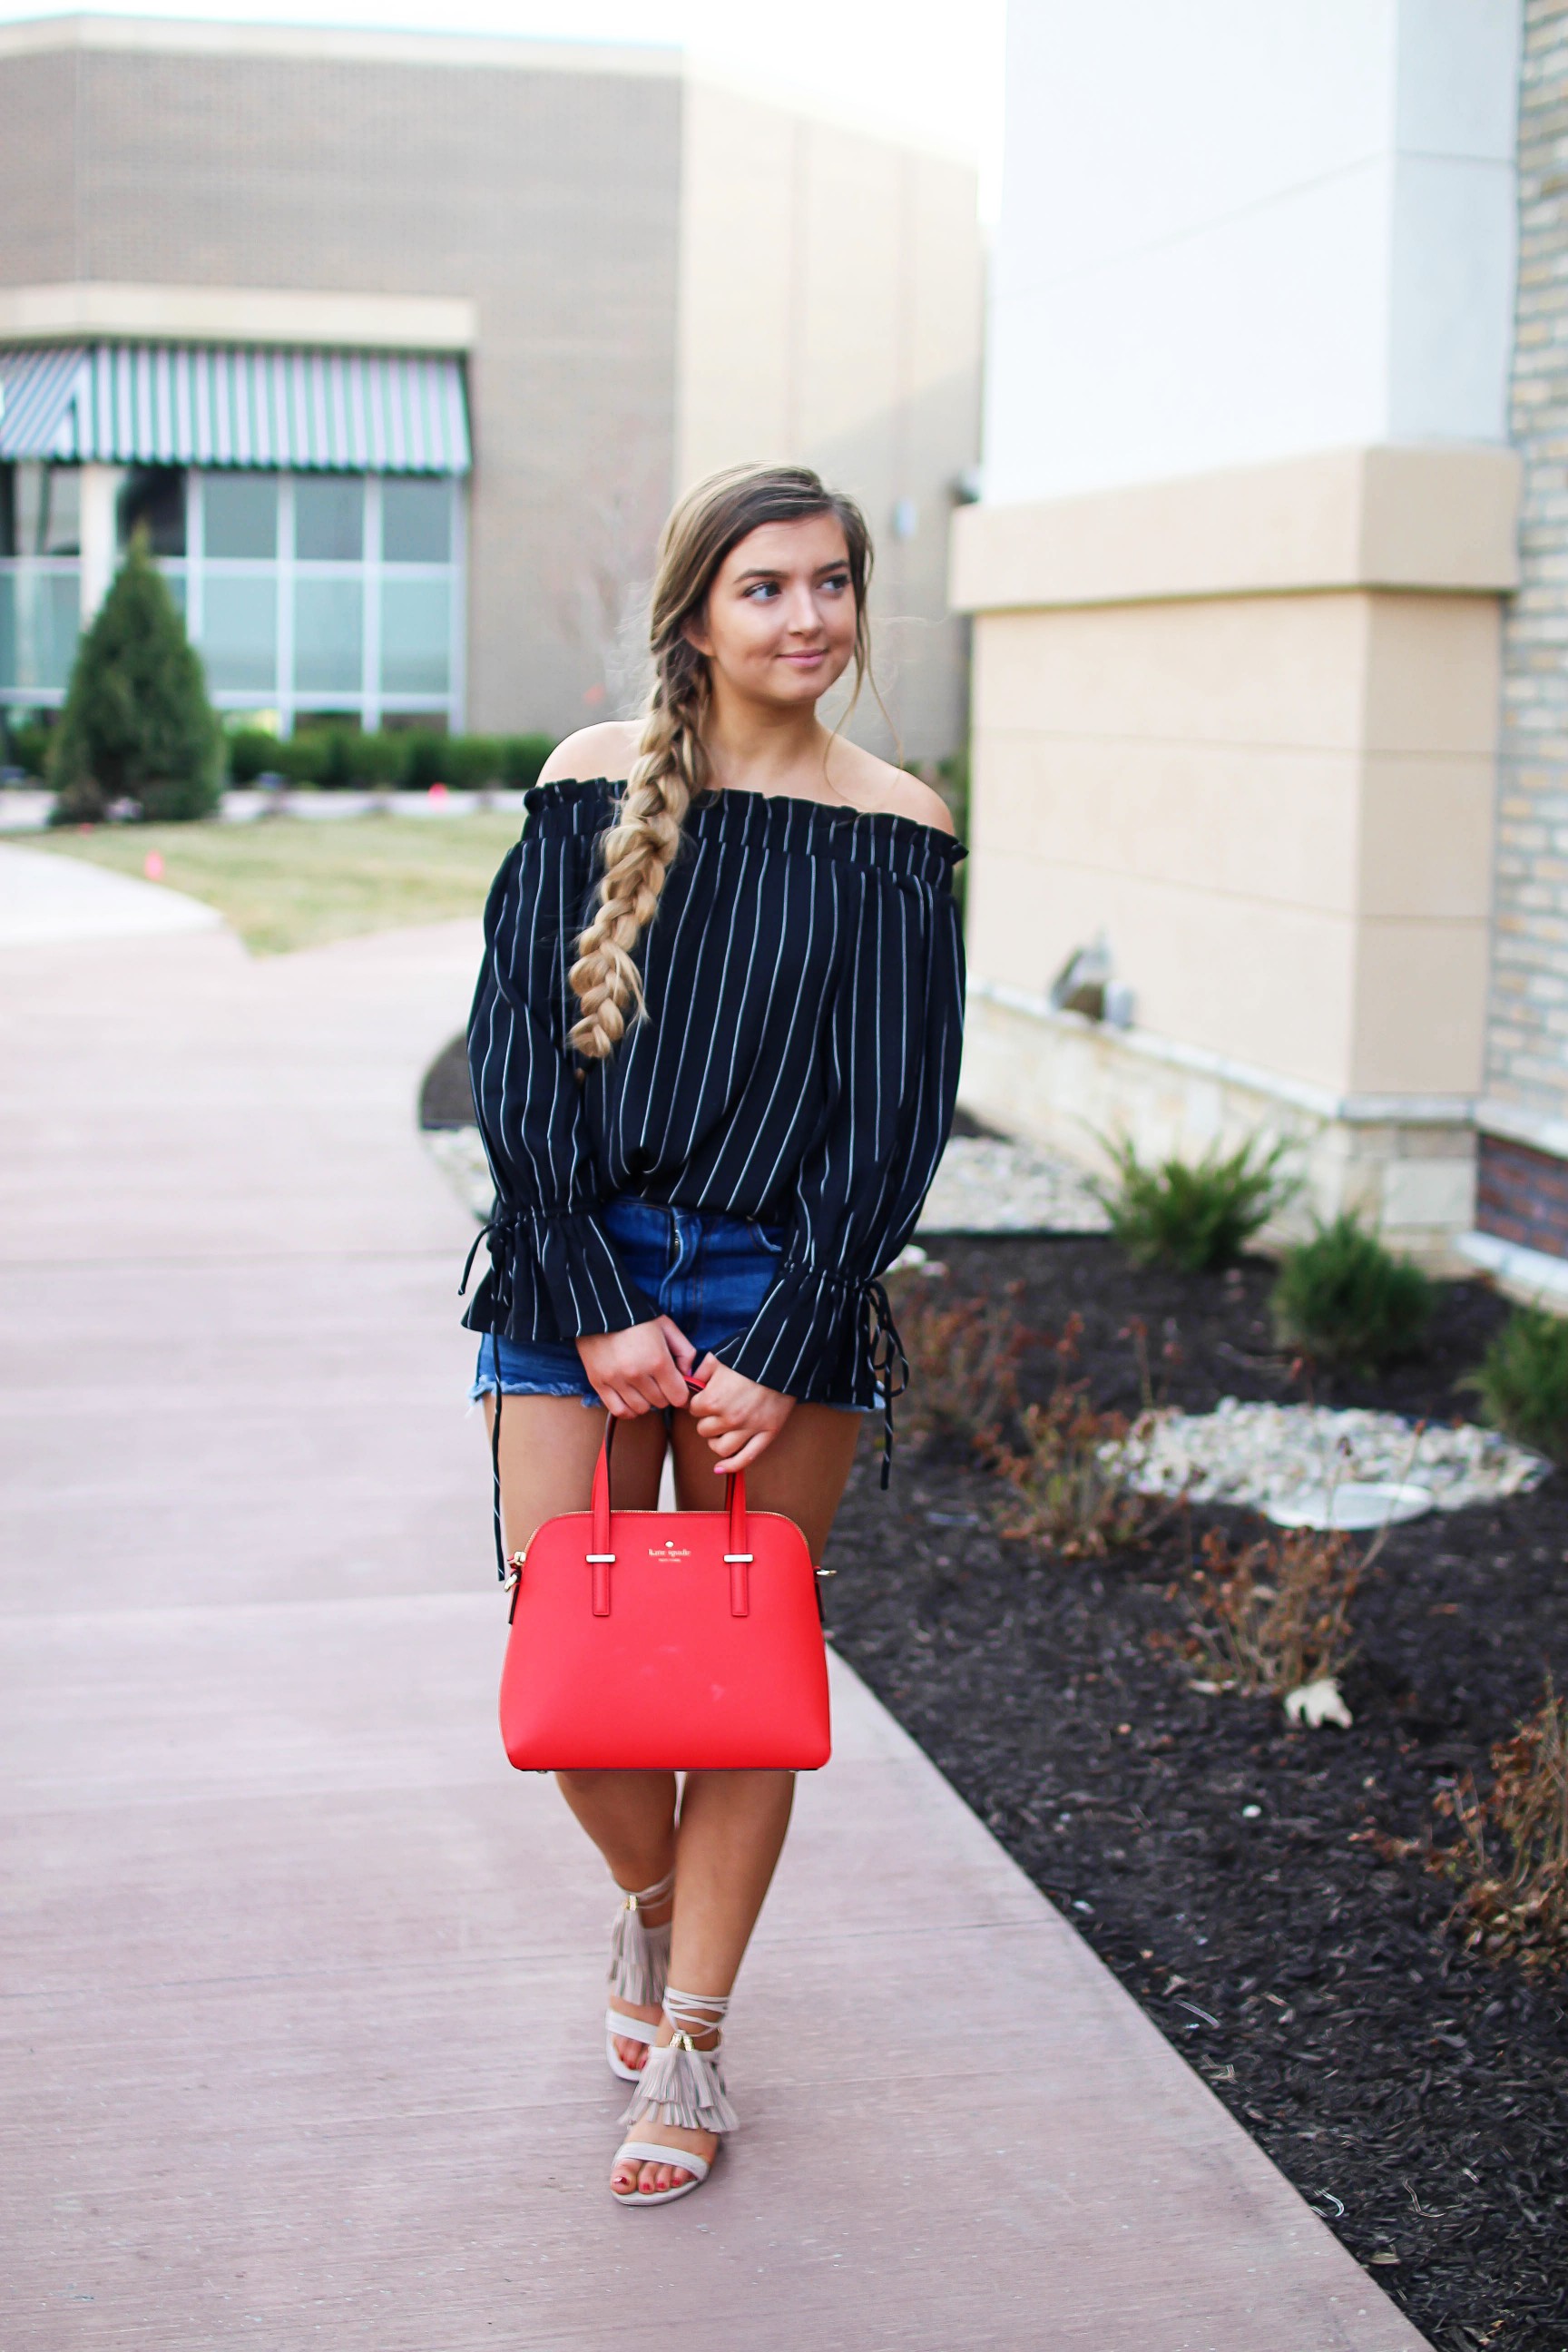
[739,1418]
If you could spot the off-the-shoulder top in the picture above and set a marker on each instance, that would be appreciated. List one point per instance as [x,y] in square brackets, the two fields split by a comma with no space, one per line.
[803,983]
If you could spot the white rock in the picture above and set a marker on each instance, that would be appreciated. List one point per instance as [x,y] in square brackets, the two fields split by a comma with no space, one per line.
[1318,1703]
[1285,1461]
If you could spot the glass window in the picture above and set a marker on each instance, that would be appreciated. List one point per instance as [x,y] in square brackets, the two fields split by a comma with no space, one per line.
[416,637]
[61,532]
[40,511]
[10,649]
[415,521]
[240,634]
[329,517]
[153,498]
[239,514]
[40,614]
[329,632]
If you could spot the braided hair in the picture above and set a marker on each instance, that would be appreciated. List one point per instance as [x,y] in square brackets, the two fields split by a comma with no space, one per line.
[672,769]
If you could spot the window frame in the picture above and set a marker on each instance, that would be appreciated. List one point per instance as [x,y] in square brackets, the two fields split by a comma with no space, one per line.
[372,706]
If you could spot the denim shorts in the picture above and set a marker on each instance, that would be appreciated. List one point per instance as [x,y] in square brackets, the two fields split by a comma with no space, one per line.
[709,1274]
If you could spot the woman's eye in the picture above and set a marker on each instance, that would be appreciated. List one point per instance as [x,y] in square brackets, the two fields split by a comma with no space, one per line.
[761,588]
[837,583]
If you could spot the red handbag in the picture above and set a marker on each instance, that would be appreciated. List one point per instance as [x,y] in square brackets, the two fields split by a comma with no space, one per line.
[664,1640]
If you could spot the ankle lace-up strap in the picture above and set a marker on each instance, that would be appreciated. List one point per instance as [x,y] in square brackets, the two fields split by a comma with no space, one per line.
[640,1955]
[682,2084]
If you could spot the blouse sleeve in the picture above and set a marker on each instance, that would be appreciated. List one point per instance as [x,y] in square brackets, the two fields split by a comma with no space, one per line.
[548,1234]
[896,1035]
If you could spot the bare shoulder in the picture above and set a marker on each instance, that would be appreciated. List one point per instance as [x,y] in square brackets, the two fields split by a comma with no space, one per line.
[607,749]
[873,785]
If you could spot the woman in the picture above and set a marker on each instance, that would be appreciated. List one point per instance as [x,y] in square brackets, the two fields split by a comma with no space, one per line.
[714,1051]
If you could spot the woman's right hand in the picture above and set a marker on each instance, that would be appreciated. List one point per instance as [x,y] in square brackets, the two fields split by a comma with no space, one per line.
[638,1370]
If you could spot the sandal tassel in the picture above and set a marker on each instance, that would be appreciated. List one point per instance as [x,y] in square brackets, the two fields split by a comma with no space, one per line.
[640,1955]
[681,2085]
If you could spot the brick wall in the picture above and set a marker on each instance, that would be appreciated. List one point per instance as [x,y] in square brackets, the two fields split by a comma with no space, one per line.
[1528,1028]
[1521,1195]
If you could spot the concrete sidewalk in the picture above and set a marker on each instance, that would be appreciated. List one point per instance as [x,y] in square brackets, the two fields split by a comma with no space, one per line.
[45,898]
[300,1985]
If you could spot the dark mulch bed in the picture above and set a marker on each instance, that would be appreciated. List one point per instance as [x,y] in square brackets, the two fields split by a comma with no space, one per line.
[1309,1980]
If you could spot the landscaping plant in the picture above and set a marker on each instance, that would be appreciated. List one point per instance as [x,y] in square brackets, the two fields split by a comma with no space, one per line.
[1195,1215]
[137,724]
[1345,1300]
[1523,1382]
[963,1357]
[412,759]
[1066,1497]
[1273,1615]
[1511,1858]
[251,752]
[27,745]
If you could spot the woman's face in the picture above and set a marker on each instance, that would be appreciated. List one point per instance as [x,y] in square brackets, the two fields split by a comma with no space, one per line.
[779,626]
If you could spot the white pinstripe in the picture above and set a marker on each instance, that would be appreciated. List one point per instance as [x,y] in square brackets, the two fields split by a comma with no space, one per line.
[843,1054]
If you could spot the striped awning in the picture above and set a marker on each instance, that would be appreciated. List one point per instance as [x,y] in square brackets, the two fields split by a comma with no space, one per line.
[37,391]
[208,404]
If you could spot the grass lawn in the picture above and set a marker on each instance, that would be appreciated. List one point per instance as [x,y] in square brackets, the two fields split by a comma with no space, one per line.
[286,883]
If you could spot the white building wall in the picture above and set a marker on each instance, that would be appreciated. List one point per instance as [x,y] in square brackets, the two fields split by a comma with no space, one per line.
[1239,230]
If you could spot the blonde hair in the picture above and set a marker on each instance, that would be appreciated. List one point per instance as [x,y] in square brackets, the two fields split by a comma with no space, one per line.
[671,768]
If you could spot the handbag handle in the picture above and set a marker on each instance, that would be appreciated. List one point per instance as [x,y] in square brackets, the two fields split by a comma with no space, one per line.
[601,1558]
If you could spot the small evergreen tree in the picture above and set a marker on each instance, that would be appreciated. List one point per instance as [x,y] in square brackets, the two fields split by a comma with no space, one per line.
[137,723]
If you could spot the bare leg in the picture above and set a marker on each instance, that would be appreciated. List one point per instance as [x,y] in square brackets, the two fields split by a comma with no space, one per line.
[733,1824]
[549,1447]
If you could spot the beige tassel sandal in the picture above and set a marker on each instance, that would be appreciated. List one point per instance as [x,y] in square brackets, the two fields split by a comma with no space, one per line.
[681,2086]
[639,1970]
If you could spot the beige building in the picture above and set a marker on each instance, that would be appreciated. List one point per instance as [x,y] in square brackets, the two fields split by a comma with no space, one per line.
[1239,577]
[401,345]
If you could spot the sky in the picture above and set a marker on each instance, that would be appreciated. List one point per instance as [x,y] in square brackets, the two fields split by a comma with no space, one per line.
[918,65]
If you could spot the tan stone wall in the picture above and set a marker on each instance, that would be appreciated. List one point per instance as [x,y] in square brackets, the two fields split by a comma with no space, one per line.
[1275,804]
[1277,808]
[39,224]
[1075,1085]
[830,314]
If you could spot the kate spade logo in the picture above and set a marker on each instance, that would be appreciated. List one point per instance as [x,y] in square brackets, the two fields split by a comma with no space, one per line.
[667,1550]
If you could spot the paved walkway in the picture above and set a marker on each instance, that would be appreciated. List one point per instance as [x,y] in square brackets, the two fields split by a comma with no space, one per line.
[300,1985]
[46,896]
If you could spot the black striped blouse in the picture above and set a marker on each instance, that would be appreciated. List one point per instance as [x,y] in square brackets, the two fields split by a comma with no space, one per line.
[798,1062]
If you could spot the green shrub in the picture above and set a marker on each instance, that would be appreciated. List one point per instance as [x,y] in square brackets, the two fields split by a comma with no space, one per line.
[137,723]
[373,760]
[308,757]
[334,762]
[1193,1215]
[473,763]
[252,752]
[521,758]
[1345,1300]
[28,745]
[425,756]
[1523,1382]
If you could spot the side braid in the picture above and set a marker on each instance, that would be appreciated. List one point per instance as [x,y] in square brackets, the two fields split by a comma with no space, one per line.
[671,770]
[672,767]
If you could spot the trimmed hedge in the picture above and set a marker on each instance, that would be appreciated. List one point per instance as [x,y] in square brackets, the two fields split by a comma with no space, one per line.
[407,758]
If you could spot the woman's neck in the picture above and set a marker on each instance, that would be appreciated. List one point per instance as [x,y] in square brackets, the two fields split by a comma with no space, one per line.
[753,749]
